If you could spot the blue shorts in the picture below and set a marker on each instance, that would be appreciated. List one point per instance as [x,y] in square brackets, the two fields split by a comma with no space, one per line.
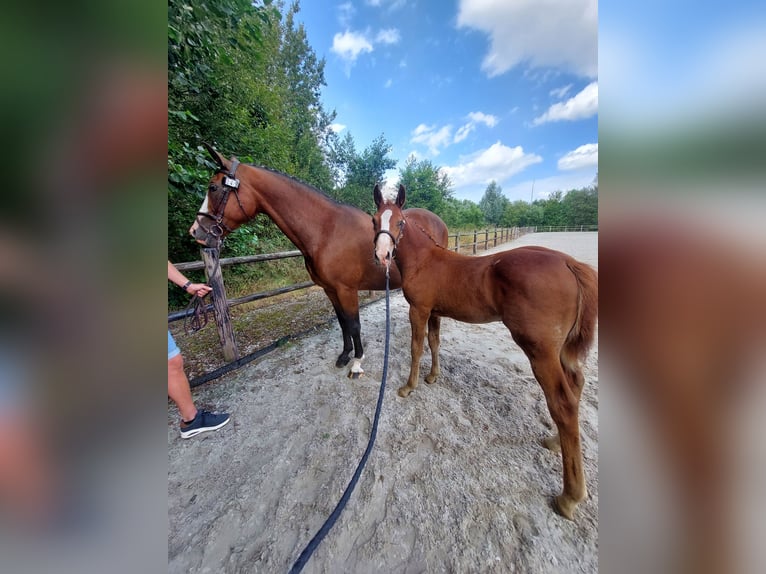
[173,349]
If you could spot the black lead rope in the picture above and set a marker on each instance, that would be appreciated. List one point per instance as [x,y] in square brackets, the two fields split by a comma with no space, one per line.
[330,522]
[196,314]
[196,311]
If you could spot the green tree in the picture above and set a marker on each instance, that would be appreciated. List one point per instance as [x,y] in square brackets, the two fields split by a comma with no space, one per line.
[242,77]
[307,123]
[522,214]
[427,186]
[493,203]
[364,171]
[342,152]
[553,210]
[581,206]
[462,214]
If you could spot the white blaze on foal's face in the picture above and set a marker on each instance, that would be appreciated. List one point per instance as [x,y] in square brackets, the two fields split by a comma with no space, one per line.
[384,245]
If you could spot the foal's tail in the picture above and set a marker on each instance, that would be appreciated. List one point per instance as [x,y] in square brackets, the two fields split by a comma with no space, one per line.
[583,331]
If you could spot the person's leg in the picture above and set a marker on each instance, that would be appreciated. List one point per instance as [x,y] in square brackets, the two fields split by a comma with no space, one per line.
[178,385]
[194,421]
[179,390]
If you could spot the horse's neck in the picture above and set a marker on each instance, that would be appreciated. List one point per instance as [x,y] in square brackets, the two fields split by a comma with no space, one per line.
[295,209]
[415,248]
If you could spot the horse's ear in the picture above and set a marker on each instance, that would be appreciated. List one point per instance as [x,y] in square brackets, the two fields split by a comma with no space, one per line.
[377,196]
[217,157]
[401,196]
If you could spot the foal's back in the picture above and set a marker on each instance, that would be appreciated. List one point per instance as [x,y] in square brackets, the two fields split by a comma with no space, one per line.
[515,286]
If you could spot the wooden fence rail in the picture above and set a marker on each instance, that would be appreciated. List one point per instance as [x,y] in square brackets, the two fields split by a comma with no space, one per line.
[477,240]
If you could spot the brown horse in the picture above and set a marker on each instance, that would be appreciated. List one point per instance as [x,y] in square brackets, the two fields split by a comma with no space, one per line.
[547,299]
[334,238]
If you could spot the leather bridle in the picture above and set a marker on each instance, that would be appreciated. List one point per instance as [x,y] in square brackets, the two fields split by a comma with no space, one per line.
[230,184]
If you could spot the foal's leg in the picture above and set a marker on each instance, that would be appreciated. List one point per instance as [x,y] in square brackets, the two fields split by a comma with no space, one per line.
[418,320]
[434,322]
[573,370]
[562,395]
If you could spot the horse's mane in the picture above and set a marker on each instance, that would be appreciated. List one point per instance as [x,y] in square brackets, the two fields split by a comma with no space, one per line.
[294,179]
[427,234]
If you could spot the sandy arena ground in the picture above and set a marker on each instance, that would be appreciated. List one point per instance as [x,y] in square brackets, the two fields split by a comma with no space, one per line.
[457,482]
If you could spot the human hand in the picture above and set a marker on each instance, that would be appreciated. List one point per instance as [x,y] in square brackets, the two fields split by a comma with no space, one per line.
[199,289]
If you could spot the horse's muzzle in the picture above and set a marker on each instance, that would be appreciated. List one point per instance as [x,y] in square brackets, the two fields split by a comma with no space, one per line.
[383,255]
[203,236]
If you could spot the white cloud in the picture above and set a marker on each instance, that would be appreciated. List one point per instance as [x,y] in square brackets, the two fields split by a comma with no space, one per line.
[482,118]
[389,83]
[346,12]
[474,119]
[337,128]
[582,105]
[553,34]
[388,36]
[392,4]
[584,156]
[432,137]
[349,45]
[498,162]
[561,92]
[463,132]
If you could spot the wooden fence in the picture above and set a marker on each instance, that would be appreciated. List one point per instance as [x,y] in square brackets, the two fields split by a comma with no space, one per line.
[462,242]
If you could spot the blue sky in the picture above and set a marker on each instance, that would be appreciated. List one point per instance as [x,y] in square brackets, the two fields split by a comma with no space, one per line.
[486,89]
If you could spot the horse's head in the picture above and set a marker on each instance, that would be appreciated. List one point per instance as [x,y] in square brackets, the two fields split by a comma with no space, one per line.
[219,214]
[388,223]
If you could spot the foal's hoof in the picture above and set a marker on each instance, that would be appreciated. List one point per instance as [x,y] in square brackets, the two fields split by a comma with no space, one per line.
[552,443]
[404,391]
[342,361]
[355,374]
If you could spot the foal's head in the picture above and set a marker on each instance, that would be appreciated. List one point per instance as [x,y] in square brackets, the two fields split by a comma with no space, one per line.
[220,214]
[388,223]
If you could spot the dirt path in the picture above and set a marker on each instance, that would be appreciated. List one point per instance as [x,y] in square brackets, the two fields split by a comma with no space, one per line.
[457,481]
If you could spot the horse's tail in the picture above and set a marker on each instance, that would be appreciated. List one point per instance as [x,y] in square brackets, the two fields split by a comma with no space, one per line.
[583,331]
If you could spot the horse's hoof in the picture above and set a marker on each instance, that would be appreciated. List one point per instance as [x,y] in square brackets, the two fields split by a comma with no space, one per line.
[565,506]
[431,379]
[342,361]
[355,374]
[404,391]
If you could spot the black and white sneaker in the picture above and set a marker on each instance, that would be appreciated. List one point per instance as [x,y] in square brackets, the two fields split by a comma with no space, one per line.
[203,422]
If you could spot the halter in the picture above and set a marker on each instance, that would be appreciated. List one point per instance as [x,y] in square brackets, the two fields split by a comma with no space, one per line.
[395,240]
[230,183]
[401,234]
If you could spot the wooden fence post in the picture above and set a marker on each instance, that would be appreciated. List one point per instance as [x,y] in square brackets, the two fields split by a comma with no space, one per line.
[474,242]
[220,305]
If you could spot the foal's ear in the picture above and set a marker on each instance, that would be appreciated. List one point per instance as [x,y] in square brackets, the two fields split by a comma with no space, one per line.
[217,157]
[377,196]
[400,197]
